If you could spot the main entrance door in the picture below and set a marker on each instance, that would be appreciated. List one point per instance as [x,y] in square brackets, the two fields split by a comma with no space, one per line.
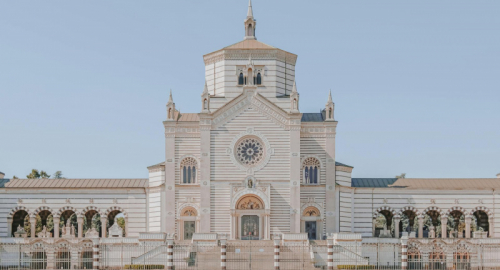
[311,230]
[189,229]
[250,227]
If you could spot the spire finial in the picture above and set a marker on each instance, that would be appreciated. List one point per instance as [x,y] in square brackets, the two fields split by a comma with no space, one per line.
[330,97]
[294,89]
[170,99]
[205,90]
[250,12]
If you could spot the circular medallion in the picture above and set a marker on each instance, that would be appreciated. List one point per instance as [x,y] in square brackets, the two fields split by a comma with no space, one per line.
[249,151]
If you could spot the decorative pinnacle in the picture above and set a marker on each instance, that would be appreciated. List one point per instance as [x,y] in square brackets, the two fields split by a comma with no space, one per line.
[294,89]
[330,97]
[250,12]
[205,90]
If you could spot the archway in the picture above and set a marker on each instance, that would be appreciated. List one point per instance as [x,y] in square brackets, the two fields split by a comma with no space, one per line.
[91,219]
[86,256]
[44,224]
[63,257]
[311,222]
[409,220]
[118,214]
[414,258]
[382,222]
[461,258]
[432,224]
[68,224]
[456,224]
[20,218]
[250,218]
[188,222]
[482,221]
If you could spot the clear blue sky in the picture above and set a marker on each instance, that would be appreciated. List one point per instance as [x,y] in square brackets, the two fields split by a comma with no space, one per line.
[416,84]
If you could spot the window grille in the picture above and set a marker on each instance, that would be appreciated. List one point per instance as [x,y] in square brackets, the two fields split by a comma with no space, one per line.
[311,170]
[188,170]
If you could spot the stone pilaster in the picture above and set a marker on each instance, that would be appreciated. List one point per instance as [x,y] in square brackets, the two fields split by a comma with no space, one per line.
[444,223]
[57,220]
[104,228]
[295,168]
[33,227]
[9,226]
[79,228]
[205,192]
[468,221]
[331,206]
[420,227]
[168,192]
[396,226]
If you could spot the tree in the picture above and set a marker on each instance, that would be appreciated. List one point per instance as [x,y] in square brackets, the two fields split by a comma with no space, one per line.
[34,174]
[44,175]
[57,175]
[403,175]
[14,177]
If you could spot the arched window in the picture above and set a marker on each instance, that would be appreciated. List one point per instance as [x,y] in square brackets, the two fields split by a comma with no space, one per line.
[170,113]
[250,30]
[311,171]
[205,104]
[330,113]
[240,79]
[188,170]
[259,79]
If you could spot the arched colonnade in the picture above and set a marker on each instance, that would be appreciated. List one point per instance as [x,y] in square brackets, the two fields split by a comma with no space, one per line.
[44,222]
[428,223]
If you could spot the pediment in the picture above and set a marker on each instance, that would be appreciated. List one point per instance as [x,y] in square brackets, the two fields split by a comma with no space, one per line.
[250,99]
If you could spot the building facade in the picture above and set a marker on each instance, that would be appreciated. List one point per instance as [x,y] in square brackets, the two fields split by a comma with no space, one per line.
[250,164]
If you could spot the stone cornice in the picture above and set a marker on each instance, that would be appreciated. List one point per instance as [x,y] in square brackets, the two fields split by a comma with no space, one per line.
[343,169]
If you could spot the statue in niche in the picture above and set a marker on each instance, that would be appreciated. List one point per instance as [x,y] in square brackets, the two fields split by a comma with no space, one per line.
[385,233]
[20,232]
[68,231]
[250,205]
[44,233]
[250,183]
[432,232]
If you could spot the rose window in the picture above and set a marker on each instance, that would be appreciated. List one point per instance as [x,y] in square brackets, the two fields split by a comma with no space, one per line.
[249,151]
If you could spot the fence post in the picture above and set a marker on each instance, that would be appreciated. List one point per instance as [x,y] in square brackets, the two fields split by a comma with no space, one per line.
[404,251]
[223,254]
[170,251]
[95,254]
[276,253]
[329,242]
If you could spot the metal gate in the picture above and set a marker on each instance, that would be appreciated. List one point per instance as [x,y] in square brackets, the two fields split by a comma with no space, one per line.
[250,255]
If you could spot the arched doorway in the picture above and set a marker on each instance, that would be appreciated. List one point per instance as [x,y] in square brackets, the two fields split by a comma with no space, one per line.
[91,220]
[437,259]
[188,222]
[68,224]
[414,258]
[456,224]
[250,218]
[311,222]
[44,224]
[119,216]
[409,221]
[461,258]
[382,223]
[38,257]
[481,221]
[432,224]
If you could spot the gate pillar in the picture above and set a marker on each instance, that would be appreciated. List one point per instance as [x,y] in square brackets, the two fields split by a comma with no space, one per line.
[329,242]
[276,254]
[223,254]
[404,251]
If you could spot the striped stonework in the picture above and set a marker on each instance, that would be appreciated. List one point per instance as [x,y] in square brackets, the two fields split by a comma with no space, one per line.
[223,255]
[404,252]
[170,254]
[330,254]
[276,254]
[95,256]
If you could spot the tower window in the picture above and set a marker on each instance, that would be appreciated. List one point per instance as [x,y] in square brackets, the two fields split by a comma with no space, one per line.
[188,170]
[240,79]
[311,171]
[259,79]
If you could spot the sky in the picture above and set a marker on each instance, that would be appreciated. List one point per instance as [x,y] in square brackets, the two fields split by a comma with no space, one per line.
[416,84]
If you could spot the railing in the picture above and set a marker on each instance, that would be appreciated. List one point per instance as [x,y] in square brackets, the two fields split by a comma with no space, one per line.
[295,237]
[204,237]
[144,236]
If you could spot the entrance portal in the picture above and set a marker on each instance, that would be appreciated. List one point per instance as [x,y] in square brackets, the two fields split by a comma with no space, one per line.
[250,227]
[189,229]
[311,230]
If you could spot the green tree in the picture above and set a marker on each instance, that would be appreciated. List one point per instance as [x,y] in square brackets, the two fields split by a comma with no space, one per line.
[43,174]
[34,174]
[57,175]
[14,177]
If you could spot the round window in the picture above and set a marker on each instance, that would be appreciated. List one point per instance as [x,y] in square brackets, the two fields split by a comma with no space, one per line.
[249,151]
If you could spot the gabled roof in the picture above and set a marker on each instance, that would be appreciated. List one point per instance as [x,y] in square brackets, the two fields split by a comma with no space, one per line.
[188,117]
[342,164]
[75,183]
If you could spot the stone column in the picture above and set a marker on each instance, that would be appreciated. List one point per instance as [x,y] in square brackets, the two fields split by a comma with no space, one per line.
[57,220]
[223,254]
[329,242]
[492,227]
[79,228]
[104,230]
[276,254]
[373,227]
[468,221]
[444,226]
[126,226]
[420,227]
[9,226]
[170,253]
[33,227]
[404,251]
[396,226]
[50,253]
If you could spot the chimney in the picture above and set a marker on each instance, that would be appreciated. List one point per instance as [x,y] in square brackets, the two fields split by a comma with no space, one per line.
[2,175]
